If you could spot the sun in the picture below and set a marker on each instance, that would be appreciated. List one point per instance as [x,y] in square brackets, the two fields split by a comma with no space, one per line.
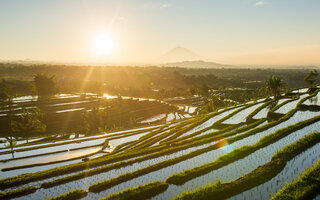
[103,44]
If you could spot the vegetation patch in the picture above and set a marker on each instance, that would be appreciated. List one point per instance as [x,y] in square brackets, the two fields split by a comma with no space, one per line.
[258,176]
[237,154]
[130,175]
[71,195]
[295,97]
[217,123]
[307,186]
[140,192]
[274,116]
[118,135]
[49,163]
[251,115]
[314,108]
[178,130]
[197,123]
[30,177]
[18,192]
[31,156]
[130,162]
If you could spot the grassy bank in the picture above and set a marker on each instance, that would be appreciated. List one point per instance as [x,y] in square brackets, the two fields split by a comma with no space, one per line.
[131,175]
[251,115]
[258,176]
[140,192]
[307,186]
[114,136]
[18,192]
[238,154]
[71,195]
[162,150]
[30,177]
[118,165]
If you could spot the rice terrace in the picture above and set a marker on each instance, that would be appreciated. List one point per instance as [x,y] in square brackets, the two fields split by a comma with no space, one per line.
[112,119]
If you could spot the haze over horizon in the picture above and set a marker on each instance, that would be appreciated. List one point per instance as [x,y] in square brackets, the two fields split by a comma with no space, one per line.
[140,31]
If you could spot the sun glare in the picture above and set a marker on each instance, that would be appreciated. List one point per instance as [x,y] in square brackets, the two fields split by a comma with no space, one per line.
[103,45]
[109,96]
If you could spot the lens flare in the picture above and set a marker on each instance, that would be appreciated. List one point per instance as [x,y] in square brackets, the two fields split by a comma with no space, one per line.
[223,143]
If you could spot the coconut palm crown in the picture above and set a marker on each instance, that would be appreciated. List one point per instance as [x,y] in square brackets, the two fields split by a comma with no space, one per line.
[274,84]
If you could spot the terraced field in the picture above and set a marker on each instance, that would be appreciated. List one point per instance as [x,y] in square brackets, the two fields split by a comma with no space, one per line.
[238,152]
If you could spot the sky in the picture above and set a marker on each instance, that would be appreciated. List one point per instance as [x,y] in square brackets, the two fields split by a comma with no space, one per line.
[140,31]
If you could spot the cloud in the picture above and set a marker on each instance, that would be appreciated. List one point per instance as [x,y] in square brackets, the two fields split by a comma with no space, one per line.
[261,3]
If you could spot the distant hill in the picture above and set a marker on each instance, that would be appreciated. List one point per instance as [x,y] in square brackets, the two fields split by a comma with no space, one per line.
[179,54]
[183,57]
[196,64]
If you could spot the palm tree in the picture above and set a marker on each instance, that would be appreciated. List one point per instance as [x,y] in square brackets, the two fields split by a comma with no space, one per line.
[44,85]
[311,78]
[28,123]
[274,83]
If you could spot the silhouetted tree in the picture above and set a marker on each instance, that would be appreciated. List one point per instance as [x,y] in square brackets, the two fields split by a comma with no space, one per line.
[45,85]
[274,83]
[29,122]
[3,90]
[311,78]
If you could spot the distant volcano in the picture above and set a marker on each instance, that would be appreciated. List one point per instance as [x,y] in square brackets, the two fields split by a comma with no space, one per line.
[179,54]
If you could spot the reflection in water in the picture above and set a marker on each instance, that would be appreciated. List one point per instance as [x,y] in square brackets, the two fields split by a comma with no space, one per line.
[50,158]
[154,118]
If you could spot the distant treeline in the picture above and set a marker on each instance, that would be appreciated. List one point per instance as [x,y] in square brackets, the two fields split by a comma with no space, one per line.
[141,81]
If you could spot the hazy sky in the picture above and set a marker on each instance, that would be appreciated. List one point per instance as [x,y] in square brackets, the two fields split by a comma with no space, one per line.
[228,31]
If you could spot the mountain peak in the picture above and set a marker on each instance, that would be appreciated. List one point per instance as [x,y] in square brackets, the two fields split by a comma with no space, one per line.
[179,54]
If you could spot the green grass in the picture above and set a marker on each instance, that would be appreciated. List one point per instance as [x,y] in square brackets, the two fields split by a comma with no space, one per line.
[126,145]
[183,138]
[150,141]
[17,192]
[30,177]
[130,175]
[153,151]
[217,123]
[307,186]
[71,195]
[239,153]
[197,122]
[251,115]
[252,131]
[53,162]
[283,103]
[140,192]
[114,136]
[258,176]
[118,165]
